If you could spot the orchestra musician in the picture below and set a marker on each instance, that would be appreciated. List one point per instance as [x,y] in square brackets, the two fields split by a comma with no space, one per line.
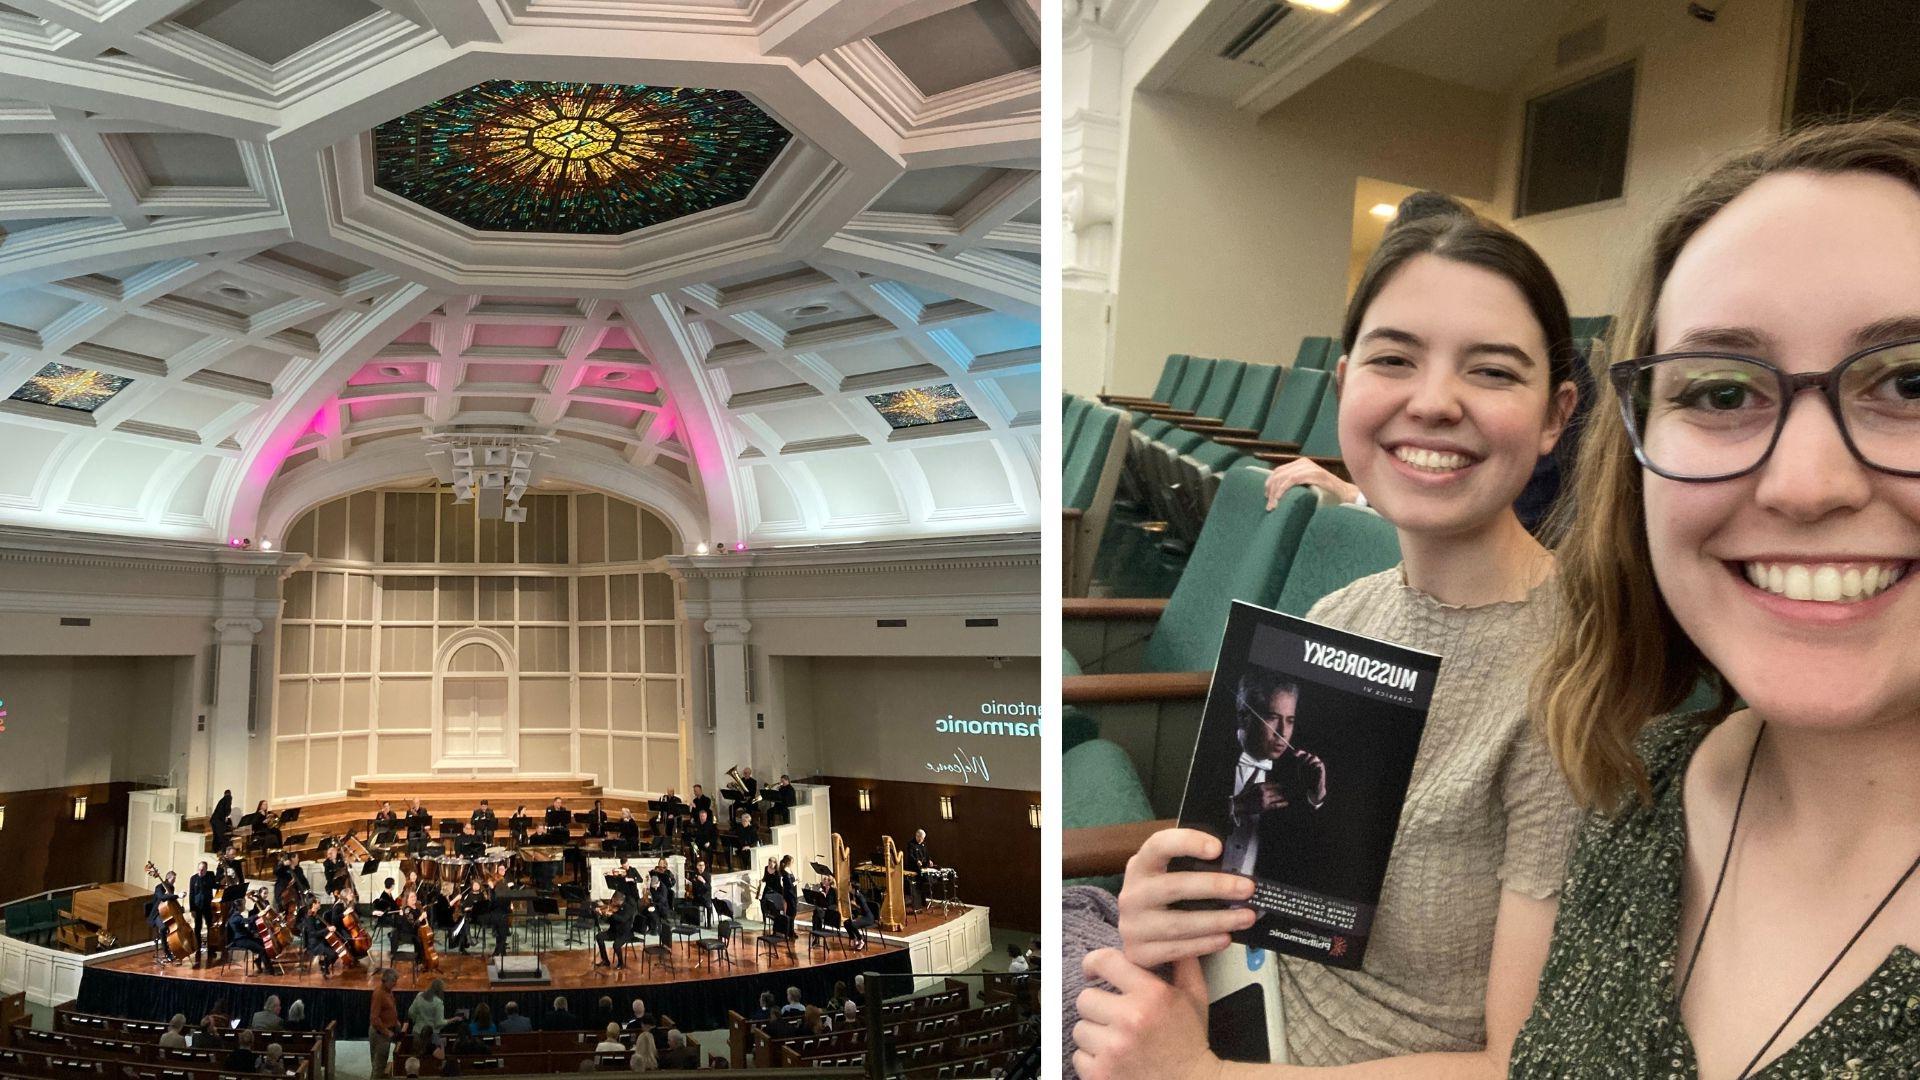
[701,802]
[469,842]
[336,872]
[826,914]
[289,881]
[242,934]
[860,917]
[917,862]
[419,826]
[619,929]
[704,835]
[313,937]
[596,820]
[200,890]
[335,915]
[265,832]
[700,887]
[559,818]
[781,799]
[492,913]
[386,912]
[461,935]
[773,900]
[163,892]
[790,888]
[668,825]
[628,829]
[483,822]
[660,876]
[660,902]
[519,825]
[386,825]
[221,820]
[745,838]
[626,878]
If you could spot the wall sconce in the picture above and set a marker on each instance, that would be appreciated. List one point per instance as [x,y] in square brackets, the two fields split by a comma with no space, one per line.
[1033,814]
[866,799]
[79,808]
[3,817]
[946,808]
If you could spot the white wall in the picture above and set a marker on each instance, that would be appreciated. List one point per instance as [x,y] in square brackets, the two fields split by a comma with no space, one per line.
[1702,91]
[87,720]
[1238,231]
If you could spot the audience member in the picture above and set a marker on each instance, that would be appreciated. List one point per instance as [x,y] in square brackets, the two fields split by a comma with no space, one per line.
[175,1036]
[765,1011]
[645,1058]
[242,1059]
[297,1017]
[413,1066]
[560,1019]
[680,1054]
[610,1041]
[428,1014]
[513,1023]
[482,1023]
[1016,960]
[383,1025]
[268,1018]
[275,1063]
[794,1005]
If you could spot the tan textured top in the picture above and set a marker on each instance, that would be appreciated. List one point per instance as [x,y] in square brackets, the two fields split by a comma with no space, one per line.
[1485,809]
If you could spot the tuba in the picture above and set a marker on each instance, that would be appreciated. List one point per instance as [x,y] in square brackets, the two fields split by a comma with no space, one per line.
[733,778]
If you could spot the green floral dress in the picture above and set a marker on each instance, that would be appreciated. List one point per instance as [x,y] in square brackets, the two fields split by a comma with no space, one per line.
[1606,1007]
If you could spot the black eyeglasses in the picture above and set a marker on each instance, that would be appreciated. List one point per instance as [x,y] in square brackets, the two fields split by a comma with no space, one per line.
[1705,416]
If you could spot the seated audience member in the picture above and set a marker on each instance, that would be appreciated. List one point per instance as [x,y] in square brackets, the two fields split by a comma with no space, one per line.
[274,1062]
[849,1013]
[680,1054]
[765,1011]
[242,1059]
[794,1004]
[838,996]
[297,1016]
[1016,959]
[268,1018]
[175,1037]
[482,1022]
[513,1023]
[413,1066]
[560,1019]
[610,1041]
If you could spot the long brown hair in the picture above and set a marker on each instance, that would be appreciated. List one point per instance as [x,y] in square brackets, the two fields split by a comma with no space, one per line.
[1618,658]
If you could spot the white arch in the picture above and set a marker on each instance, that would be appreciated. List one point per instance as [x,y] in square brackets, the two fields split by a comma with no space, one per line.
[404,461]
[509,671]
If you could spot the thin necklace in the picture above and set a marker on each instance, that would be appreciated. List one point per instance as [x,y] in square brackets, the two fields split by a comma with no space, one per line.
[1693,961]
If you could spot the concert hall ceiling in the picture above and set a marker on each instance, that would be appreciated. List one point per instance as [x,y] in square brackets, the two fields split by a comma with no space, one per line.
[768,266]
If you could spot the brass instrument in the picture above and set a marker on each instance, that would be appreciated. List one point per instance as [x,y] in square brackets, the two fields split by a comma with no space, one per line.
[733,777]
[272,820]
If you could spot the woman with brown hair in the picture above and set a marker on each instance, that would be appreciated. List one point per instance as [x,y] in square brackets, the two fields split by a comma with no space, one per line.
[1456,376]
[1745,907]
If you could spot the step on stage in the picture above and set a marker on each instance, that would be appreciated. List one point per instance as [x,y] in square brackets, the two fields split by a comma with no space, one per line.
[692,992]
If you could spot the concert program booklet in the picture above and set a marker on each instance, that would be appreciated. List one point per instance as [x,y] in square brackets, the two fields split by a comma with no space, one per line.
[1306,745]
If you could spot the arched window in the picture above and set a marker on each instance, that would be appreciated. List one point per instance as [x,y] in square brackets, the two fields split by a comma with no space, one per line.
[477,699]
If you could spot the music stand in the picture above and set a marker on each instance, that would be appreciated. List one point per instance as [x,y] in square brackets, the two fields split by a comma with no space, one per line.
[370,866]
[288,817]
[294,841]
[819,869]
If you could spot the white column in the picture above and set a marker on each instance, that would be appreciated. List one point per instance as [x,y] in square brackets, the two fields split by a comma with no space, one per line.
[1093,49]
[732,712]
[230,744]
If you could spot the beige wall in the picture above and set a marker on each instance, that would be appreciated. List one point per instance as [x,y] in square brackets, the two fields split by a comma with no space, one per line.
[74,720]
[875,716]
[1701,92]
[1238,232]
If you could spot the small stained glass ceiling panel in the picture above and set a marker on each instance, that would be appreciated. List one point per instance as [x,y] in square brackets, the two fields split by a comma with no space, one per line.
[71,387]
[581,158]
[922,405]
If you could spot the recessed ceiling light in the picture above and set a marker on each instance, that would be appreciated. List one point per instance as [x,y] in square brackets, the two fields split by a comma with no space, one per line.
[1384,211]
[1319,5]
[810,311]
[614,376]
[235,292]
[392,372]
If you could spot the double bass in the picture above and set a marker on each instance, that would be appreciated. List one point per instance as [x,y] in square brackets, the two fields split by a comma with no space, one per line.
[180,937]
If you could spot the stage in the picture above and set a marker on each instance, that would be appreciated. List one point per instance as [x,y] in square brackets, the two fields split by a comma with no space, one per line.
[694,994]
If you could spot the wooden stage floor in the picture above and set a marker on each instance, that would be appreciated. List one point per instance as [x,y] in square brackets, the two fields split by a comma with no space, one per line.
[571,968]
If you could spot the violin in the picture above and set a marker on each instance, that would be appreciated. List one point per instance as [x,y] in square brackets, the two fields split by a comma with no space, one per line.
[180,937]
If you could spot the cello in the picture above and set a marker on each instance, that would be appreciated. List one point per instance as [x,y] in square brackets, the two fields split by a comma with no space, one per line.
[180,938]
[357,935]
[423,933]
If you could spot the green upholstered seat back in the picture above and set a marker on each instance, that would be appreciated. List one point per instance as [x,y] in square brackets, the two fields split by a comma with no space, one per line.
[1243,553]
[1101,786]
[1193,383]
[1151,427]
[1216,457]
[1342,544]
[1249,407]
[1323,438]
[1293,406]
[1221,388]
[1070,421]
[1317,352]
[1170,373]
[1080,474]
[1181,441]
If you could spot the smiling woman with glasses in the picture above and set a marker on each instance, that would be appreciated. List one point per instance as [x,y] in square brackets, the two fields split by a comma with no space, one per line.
[1744,906]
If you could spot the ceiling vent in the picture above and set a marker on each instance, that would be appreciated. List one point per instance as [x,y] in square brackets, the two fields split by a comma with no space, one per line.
[1254,19]
[1583,44]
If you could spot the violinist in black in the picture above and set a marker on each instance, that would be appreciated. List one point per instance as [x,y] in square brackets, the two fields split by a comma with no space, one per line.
[335,869]
[243,935]
[700,887]
[627,829]
[619,929]
[386,912]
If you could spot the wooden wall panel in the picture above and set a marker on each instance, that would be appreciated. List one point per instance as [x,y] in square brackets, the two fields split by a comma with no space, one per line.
[42,847]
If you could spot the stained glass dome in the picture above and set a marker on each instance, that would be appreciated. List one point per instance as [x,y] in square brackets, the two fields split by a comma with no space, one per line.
[586,158]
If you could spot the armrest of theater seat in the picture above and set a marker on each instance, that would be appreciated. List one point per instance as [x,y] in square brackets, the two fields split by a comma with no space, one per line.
[1218,432]
[1165,412]
[1104,849]
[1071,514]
[1259,446]
[1113,607]
[1133,687]
[1132,401]
[1332,464]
